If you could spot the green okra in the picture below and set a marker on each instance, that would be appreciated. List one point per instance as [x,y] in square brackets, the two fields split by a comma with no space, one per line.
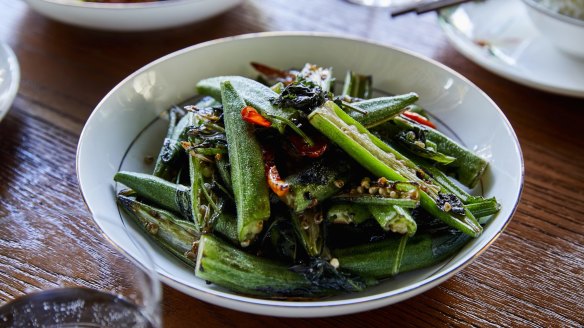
[309,229]
[377,200]
[389,257]
[254,94]
[312,185]
[168,195]
[467,168]
[379,110]
[177,236]
[237,270]
[358,85]
[162,168]
[484,209]
[224,169]
[247,168]
[384,161]
[441,178]
[171,151]
[346,213]
[394,218]
[176,198]
[411,141]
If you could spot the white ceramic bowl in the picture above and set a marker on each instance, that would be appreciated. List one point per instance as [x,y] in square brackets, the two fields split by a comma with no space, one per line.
[131,16]
[9,78]
[565,32]
[126,126]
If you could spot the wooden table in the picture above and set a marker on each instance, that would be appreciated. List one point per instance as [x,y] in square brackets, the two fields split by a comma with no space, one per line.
[533,275]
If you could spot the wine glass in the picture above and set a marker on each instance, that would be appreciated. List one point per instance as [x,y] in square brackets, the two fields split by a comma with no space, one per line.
[103,286]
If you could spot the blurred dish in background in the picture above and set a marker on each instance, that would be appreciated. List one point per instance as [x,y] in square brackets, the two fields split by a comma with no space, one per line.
[383,3]
[9,78]
[562,22]
[499,36]
[134,16]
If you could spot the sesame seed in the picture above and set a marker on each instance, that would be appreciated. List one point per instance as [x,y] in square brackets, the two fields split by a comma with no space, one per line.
[335,262]
[447,207]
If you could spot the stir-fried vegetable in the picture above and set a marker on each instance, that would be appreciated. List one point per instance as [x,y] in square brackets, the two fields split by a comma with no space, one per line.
[294,191]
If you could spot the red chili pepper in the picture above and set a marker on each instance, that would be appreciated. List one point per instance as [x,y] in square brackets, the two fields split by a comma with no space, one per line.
[278,186]
[304,149]
[418,118]
[251,115]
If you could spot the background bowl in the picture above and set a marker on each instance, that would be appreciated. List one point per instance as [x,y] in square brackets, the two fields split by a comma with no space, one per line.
[565,32]
[9,78]
[131,16]
[126,126]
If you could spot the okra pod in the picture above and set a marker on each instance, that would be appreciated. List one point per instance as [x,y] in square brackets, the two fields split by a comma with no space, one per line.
[247,168]
[309,229]
[177,236]
[378,200]
[379,110]
[174,197]
[169,147]
[358,85]
[168,195]
[484,209]
[467,168]
[232,268]
[312,185]
[415,143]
[171,151]
[394,218]
[389,257]
[346,213]
[253,94]
[384,161]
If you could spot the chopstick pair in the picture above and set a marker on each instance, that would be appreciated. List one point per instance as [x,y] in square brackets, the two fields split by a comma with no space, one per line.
[426,6]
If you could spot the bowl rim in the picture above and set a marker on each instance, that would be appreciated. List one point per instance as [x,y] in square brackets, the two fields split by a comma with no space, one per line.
[545,10]
[119,6]
[376,300]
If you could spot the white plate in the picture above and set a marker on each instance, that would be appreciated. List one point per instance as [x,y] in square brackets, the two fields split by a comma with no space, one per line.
[126,126]
[9,78]
[498,35]
[131,16]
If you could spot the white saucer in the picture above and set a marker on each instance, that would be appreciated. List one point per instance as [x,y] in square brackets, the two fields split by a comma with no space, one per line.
[499,36]
[9,78]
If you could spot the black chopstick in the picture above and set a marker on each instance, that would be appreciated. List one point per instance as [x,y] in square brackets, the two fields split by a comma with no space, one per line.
[426,6]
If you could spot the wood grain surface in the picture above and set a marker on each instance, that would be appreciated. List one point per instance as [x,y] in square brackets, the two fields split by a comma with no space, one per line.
[533,275]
